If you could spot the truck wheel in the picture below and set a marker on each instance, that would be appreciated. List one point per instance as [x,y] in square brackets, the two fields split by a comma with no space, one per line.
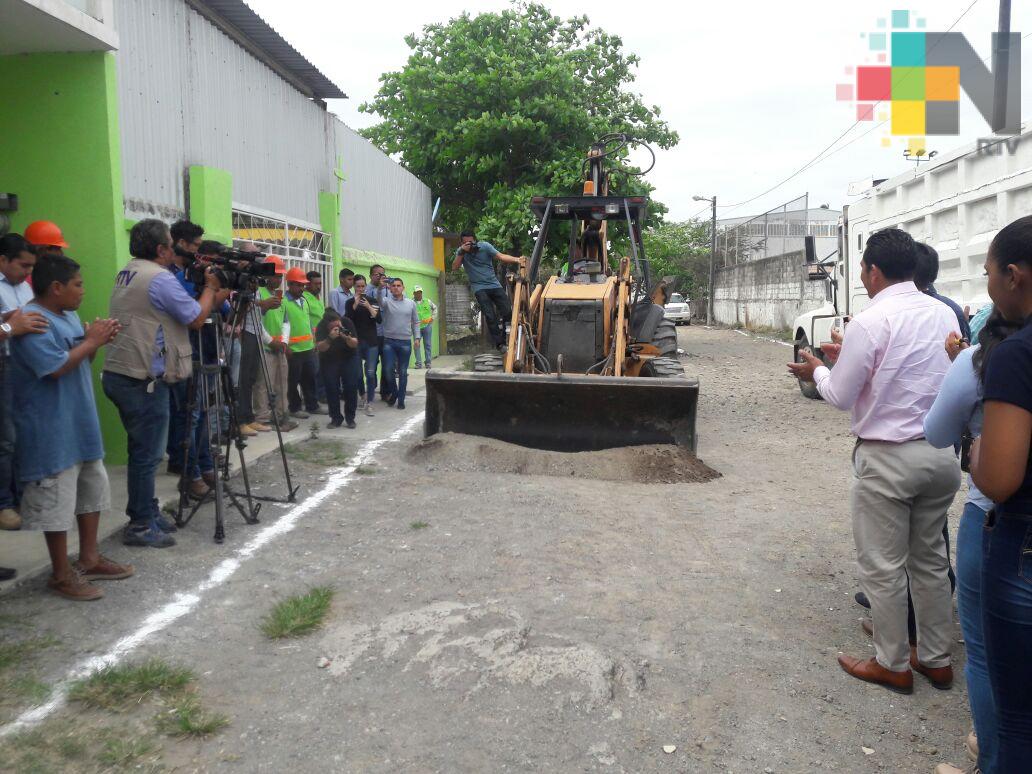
[665,338]
[663,367]
[488,363]
[809,389]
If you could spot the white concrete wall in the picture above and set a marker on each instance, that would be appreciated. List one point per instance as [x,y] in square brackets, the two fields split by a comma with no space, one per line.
[768,293]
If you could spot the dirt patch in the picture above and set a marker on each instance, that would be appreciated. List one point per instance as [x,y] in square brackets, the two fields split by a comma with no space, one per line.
[660,463]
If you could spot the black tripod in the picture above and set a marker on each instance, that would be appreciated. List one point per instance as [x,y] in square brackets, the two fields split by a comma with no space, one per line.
[211,388]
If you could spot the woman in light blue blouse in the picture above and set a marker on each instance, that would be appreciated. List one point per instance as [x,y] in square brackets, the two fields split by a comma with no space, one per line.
[958,411]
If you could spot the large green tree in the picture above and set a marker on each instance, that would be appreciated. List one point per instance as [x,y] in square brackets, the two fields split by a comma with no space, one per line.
[680,251]
[492,109]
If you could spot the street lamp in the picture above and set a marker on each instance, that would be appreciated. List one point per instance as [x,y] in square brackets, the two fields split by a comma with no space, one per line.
[712,254]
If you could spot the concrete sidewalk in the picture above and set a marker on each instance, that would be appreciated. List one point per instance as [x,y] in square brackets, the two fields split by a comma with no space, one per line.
[27,553]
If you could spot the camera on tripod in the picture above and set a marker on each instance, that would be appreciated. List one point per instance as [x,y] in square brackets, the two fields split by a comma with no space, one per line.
[236,269]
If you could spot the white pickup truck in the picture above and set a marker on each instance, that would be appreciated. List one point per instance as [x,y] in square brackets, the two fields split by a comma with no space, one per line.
[679,309]
[957,204]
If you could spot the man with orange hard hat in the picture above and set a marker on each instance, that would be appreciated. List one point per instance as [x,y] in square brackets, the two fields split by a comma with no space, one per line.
[45,237]
[301,343]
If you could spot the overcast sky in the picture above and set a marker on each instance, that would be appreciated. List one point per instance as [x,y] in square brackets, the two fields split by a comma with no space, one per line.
[748,85]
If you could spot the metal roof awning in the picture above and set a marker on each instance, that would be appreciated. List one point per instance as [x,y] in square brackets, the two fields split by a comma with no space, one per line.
[252,32]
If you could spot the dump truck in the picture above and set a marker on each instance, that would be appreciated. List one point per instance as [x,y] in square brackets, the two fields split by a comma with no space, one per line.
[591,361]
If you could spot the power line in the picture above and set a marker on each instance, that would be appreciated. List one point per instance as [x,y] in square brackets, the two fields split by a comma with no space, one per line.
[818,158]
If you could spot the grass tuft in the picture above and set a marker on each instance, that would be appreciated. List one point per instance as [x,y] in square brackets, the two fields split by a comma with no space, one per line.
[118,687]
[187,717]
[296,616]
[419,525]
[124,753]
[13,653]
[367,470]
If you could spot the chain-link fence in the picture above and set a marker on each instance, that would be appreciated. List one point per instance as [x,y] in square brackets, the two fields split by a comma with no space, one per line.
[776,232]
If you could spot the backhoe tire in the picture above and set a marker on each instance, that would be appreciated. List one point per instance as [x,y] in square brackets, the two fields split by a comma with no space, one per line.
[809,389]
[663,367]
[665,338]
[489,363]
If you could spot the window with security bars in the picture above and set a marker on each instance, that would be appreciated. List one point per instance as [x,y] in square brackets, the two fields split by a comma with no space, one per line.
[297,244]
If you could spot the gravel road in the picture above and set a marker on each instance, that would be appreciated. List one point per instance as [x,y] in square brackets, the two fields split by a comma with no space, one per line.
[542,622]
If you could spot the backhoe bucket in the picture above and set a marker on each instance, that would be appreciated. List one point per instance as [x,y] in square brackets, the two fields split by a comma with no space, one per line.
[563,413]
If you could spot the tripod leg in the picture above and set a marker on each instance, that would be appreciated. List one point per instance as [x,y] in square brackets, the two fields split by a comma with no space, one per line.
[291,489]
[250,512]
[184,483]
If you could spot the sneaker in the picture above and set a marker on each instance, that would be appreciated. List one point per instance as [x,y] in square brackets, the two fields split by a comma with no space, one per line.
[392,400]
[148,536]
[427,365]
[419,365]
[75,587]
[350,424]
[333,424]
[261,427]
[104,569]
[401,404]
[318,410]
[299,414]
[287,425]
[165,524]
[369,410]
[10,519]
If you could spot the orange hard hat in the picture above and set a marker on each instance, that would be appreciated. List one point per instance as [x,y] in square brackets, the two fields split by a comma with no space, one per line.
[281,268]
[43,232]
[297,274]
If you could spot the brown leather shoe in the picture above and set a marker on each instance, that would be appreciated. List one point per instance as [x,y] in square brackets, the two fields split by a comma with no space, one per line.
[871,671]
[208,477]
[104,569]
[868,626]
[197,489]
[940,677]
[75,587]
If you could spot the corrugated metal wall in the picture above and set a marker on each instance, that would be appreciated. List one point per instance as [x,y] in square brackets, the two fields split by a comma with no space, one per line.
[384,207]
[188,94]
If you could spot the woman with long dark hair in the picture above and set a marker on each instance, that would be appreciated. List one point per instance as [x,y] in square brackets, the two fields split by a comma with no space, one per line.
[955,418]
[1001,470]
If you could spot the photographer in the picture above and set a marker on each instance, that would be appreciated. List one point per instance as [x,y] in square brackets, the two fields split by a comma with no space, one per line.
[337,345]
[477,258]
[153,351]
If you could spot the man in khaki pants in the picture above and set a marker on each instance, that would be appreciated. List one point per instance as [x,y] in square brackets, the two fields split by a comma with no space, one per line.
[888,370]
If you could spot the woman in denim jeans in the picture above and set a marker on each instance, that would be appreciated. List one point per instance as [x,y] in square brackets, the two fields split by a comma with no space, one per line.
[1001,470]
[361,311]
[958,410]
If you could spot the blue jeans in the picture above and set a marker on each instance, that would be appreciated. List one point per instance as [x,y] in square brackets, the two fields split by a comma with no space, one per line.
[199,457]
[969,605]
[426,333]
[341,380]
[370,354]
[7,436]
[396,354]
[143,408]
[1007,624]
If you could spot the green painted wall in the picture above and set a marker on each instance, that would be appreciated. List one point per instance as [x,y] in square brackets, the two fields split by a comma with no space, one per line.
[211,202]
[329,221]
[60,153]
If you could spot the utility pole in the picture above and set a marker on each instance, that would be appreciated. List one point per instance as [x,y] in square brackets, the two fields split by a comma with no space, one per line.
[712,260]
[1001,57]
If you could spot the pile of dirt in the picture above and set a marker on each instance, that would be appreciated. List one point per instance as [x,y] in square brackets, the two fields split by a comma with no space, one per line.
[659,463]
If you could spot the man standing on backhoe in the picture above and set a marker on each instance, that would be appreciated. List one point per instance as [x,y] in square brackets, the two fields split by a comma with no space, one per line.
[477,258]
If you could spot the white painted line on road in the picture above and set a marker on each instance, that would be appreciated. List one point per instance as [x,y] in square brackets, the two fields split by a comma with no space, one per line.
[186,602]
[762,338]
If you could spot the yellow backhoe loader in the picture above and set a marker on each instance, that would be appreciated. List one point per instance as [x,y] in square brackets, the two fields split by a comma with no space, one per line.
[591,362]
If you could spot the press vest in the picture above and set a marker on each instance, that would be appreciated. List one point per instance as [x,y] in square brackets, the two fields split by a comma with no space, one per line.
[301,339]
[425,311]
[132,350]
[316,309]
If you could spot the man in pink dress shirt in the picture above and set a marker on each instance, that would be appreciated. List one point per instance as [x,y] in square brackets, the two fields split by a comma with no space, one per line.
[887,372]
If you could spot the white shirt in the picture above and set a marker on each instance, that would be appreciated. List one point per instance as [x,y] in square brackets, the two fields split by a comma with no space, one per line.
[14,296]
[892,364]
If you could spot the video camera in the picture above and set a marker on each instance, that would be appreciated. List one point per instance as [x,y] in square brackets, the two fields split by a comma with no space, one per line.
[236,269]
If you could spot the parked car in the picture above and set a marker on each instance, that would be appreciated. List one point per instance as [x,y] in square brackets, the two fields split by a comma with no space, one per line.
[679,309]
